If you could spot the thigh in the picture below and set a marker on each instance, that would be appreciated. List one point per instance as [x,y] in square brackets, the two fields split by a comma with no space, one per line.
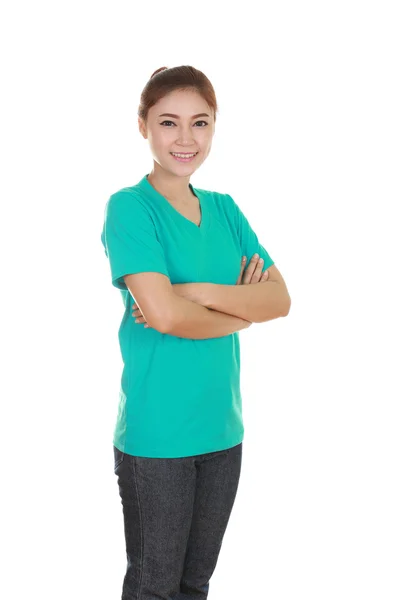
[157,496]
[216,488]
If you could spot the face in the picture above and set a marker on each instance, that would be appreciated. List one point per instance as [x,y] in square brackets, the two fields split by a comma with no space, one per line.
[184,133]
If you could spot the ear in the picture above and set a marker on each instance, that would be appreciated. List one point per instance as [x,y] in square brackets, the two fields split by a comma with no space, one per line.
[142,128]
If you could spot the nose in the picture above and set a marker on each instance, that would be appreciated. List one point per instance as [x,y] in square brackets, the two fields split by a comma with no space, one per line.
[185,136]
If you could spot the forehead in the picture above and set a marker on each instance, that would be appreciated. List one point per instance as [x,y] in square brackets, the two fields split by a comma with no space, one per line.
[184,103]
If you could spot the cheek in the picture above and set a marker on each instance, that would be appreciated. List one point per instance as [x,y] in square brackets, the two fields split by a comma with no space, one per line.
[166,140]
[208,138]
[160,144]
[161,136]
[207,147]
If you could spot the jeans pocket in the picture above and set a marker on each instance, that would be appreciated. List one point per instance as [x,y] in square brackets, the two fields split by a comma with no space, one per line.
[118,457]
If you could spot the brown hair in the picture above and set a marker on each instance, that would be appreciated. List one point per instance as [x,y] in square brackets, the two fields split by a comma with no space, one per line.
[165,80]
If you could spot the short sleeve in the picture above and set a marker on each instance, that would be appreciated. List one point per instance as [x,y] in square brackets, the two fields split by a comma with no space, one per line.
[248,239]
[129,239]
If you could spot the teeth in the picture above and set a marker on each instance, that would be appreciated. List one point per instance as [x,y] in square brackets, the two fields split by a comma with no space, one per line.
[184,155]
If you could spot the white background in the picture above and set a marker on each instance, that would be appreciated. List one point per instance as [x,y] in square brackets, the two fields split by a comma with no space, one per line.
[307,143]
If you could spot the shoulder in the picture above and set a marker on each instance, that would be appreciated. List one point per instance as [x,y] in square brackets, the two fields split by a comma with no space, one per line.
[214,196]
[125,194]
[126,199]
[226,202]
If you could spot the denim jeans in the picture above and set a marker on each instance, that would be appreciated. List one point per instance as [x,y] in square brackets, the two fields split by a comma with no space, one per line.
[176,511]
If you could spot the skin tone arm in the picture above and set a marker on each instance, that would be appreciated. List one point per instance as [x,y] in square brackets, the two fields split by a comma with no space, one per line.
[263,301]
[256,303]
[195,321]
[199,323]
[217,323]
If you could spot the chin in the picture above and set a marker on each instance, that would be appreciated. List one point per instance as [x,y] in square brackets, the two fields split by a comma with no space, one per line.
[184,169]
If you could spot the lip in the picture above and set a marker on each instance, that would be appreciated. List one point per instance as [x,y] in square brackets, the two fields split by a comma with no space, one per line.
[184,152]
[185,160]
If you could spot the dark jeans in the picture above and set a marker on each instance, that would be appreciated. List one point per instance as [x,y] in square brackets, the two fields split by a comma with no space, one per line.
[176,511]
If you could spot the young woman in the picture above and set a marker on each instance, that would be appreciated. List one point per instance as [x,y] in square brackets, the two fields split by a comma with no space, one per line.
[177,250]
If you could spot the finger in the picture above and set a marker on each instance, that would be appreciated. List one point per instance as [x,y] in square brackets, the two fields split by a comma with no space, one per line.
[140,320]
[250,270]
[257,271]
[265,275]
[239,279]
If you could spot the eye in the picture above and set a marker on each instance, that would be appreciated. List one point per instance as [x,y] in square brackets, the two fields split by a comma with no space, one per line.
[205,122]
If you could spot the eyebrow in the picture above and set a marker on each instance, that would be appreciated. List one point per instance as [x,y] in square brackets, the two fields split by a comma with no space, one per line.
[177,116]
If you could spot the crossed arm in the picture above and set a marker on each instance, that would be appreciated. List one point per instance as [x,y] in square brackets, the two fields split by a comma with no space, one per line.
[256,303]
[230,307]
[206,310]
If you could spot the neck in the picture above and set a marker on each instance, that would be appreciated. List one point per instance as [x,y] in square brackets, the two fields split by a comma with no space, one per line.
[175,189]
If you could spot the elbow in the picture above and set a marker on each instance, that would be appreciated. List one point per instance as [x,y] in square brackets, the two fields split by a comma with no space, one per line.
[163,321]
[169,323]
[284,302]
[166,327]
[173,315]
[282,310]
[161,324]
[286,307]
[158,319]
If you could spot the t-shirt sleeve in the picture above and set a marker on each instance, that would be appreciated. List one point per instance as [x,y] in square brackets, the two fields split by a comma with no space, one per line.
[129,239]
[248,239]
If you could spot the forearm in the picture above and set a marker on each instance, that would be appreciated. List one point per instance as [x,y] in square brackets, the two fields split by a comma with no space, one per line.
[257,302]
[191,320]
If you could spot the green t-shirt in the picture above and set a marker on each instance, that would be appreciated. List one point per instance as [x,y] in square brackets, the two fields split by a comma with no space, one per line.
[178,396]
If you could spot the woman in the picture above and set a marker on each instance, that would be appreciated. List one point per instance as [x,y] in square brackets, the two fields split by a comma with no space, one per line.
[178,435]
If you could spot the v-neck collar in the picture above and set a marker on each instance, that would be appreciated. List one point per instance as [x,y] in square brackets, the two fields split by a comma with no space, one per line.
[146,186]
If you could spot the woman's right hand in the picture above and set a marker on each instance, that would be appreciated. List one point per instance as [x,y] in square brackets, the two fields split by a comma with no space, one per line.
[253,273]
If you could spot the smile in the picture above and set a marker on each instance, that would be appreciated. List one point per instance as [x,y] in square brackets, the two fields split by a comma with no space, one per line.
[183,157]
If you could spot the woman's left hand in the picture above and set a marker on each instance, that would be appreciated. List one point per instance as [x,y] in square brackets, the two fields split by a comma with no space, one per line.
[139,318]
